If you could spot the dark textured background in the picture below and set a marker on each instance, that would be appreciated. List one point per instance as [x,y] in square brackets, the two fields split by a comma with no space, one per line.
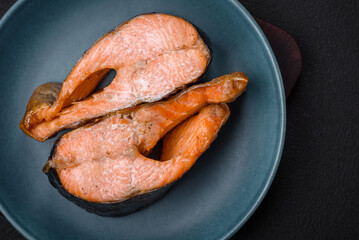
[315,194]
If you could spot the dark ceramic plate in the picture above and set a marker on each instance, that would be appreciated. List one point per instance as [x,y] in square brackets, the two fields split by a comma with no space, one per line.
[40,41]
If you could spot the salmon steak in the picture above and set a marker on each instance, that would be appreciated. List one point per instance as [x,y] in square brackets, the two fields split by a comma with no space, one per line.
[153,55]
[104,166]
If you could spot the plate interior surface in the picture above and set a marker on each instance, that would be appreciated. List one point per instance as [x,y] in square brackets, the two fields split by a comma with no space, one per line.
[41,40]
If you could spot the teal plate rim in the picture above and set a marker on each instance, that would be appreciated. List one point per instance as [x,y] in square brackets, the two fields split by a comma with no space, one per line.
[27,234]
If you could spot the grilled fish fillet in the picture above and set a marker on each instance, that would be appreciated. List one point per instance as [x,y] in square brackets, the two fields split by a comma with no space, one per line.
[106,162]
[153,54]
